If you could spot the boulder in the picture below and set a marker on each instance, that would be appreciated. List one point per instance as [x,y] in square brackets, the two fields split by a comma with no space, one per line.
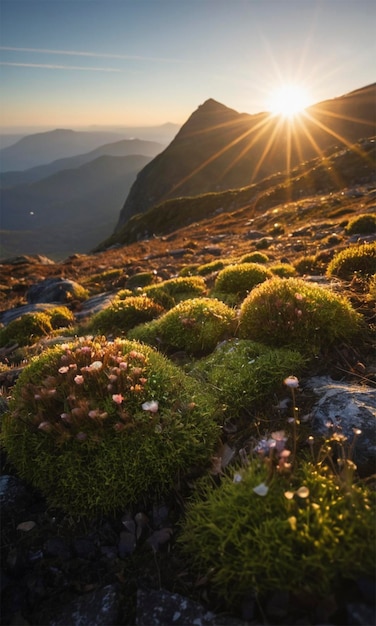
[344,407]
[60,290]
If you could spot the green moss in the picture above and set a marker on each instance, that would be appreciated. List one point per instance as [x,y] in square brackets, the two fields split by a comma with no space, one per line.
[78,428]
[188,270]
[195,326]
[103,281]
[238,280]
[310,264]
[372,288]
[360,259]
[254,257]
[141,279]
[60,316]
[170,292]
[292,312]
[243,374]
[244,542]
[283,270]
[26,330]
[122,315]
[209,268]
[122,294]
[362,224]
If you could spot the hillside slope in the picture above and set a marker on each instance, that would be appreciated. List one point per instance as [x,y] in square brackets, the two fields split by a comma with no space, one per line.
[219,148]
[337,169]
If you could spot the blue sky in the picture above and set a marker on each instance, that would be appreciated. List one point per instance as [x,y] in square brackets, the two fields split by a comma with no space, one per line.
[74,63]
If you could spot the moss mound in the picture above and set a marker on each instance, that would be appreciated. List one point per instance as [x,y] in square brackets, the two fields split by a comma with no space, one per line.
[141,279]
[98,426]
[357,259]
[254,257]
[362,224]
[243,374]
[30,327]
[123,315]
[195,326]
[292,312]
[209,268]
[170,292]
[296,535]
[283,270]
[234,282]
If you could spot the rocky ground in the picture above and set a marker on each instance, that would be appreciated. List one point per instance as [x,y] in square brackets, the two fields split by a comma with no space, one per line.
[127,569]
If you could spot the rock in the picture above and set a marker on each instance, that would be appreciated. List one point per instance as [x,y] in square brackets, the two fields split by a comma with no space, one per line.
[163,608]
[347,407]
[159,608]
[57,547]
[13,314]
[180,252]
[360,614]
[25,259]
[254,234]
[14,499]
[99,607]
[59,290]
[213,250]
[95,304]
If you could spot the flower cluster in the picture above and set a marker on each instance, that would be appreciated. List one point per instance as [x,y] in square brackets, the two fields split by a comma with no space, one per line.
[274,452]
[94,383]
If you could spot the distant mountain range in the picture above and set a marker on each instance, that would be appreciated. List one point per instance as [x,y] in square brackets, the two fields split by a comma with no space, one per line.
[125,147]
[219,148]
[42,148]
[69,204]
[69,211]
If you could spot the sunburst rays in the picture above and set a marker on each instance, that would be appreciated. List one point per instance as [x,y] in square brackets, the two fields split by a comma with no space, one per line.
[268,141]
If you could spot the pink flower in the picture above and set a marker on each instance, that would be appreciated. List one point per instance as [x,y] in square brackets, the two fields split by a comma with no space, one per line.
[44,426]
[86,349]
[64,369]
[118,398]
[79,379]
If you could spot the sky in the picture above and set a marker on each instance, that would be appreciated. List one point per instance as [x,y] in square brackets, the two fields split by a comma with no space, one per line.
[78,63]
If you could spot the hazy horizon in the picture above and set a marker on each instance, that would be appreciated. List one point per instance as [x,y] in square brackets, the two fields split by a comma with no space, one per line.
[131,63]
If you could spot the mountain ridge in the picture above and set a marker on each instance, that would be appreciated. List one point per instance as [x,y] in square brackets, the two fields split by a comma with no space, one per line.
[218,148]
[123,147]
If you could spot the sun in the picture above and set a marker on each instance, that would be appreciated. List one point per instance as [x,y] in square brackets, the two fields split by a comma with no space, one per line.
[288,100]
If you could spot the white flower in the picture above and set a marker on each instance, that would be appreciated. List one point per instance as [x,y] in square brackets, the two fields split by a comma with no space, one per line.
[292,382]
[303,492]
[261,489]
[96,365]
[237,478]
[151,406]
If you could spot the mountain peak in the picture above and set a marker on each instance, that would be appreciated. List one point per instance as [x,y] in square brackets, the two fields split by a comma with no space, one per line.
[213,106]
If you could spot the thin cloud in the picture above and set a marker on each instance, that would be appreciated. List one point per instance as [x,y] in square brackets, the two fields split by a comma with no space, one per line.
[50,66]
[99,55]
